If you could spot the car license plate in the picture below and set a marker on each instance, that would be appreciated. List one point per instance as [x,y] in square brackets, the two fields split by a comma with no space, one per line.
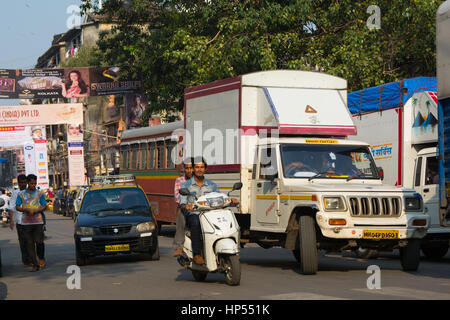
[117,247]
[380,234]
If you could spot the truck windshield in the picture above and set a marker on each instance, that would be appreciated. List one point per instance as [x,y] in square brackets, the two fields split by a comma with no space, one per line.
[327,162]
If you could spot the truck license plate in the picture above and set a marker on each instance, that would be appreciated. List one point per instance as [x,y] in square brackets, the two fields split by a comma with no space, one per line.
[380,234]
[117,247]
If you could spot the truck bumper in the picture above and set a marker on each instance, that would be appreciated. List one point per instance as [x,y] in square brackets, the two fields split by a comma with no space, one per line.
[407,226]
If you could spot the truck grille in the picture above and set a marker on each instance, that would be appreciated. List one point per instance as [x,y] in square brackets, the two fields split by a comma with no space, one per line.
[111,230]
[375,207]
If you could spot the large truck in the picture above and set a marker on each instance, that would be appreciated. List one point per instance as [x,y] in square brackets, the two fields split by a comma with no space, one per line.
[443,91]
[306,187]
[400,122]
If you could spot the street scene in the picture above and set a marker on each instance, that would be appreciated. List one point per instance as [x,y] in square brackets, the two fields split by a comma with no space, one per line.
[240,151]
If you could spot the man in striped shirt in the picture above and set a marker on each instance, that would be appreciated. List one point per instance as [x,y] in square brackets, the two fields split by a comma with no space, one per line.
[178,240]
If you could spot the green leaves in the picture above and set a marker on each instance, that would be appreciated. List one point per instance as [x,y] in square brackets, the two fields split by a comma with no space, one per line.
[182,43]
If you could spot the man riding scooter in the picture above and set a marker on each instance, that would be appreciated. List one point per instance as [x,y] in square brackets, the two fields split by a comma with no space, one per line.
[199,186]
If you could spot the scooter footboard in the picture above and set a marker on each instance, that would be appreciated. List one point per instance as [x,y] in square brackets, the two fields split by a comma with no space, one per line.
[226,246]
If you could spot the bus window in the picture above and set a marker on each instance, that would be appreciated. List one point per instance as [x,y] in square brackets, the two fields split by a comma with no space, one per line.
[124,160]
[170,154]
[143,165]
[151,156]
[134,155]
[160,156]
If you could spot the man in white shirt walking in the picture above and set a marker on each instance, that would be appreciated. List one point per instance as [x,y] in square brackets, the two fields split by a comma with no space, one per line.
[16,217]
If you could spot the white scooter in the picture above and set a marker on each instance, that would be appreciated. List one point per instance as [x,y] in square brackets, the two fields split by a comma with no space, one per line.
[221,237]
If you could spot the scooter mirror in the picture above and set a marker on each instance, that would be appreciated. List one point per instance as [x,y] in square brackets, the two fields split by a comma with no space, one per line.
[185,192]
[2,202]
[237,186]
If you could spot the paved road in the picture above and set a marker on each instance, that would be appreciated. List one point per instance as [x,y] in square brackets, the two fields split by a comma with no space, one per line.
[266,274]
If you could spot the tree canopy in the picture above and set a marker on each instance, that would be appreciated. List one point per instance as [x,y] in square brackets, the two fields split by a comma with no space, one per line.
[182,43]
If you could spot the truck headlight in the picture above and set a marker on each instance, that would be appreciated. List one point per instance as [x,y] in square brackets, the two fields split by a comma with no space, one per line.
[413,203]
[85,231]
[146,226]
[333,204]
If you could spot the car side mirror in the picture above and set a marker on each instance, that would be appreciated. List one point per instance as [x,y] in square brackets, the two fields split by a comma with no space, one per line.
[185,192]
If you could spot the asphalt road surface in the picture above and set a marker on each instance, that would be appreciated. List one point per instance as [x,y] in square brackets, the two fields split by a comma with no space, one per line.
[266,274]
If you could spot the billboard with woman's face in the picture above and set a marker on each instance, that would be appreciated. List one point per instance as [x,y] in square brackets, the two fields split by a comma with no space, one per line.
[68,82]
[76,83]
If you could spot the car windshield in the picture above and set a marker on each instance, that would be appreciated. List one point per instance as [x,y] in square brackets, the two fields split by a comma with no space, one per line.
[327,162]
[115,201]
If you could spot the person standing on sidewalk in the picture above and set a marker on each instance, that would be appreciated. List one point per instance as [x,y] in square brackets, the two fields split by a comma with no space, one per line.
[16,217]
[32,204]
[178,240]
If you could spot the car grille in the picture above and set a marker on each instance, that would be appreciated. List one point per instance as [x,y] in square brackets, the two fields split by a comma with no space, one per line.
[375,206]
[111,230]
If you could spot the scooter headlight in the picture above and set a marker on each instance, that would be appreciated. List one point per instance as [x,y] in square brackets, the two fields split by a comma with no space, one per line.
[216,202]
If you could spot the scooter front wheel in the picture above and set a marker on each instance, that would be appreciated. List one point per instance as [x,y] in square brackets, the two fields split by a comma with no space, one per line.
[199,275]
[232,267]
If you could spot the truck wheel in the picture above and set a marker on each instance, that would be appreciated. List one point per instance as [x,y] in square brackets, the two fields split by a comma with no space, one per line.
[232,267]
[410,255]
[436,251]
[199,275]
[307,246]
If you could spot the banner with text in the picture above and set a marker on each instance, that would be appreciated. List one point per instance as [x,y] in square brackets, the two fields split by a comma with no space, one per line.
[41,114]
[68,82]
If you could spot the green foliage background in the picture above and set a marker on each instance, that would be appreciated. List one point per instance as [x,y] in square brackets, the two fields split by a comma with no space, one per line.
[182,43]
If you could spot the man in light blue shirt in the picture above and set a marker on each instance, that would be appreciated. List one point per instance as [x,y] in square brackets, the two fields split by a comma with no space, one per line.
[32,204]
[199,186]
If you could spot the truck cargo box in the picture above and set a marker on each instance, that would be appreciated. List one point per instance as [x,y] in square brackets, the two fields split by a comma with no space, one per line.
[397,119]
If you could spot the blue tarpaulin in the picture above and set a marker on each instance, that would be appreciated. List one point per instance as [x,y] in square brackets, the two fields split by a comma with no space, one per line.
[3,160]
[389,95]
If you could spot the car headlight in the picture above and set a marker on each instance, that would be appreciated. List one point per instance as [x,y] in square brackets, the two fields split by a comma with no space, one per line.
[85,231]
[413,203]
[146,226]
[333,203]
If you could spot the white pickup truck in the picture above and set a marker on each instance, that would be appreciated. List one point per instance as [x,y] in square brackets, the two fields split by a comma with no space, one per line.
[306,187]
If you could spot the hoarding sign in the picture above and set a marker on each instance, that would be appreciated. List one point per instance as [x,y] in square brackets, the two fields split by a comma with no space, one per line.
[68,82]
[35,115]
[75,154]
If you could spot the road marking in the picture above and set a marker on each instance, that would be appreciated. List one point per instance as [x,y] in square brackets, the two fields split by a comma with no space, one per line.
[301,296]
[408,293]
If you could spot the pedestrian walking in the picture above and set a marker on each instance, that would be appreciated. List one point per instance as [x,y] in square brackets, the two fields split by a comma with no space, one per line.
[16,218]
[32,204]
